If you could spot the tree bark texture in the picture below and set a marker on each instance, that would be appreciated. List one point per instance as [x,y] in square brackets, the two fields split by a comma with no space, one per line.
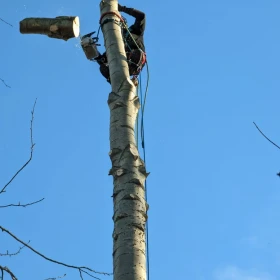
[64,27]
[128,169]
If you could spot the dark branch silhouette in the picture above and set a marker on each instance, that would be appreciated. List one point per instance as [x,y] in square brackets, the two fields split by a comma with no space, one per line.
[278,174]
[6,269]
[266,136]
[5,22]
[7,254]
[4,83]
[54,278]
[21,205]
[81,269]
[31,150]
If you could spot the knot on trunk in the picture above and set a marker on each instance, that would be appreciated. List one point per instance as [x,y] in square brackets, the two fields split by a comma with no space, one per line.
[142,169]
[131,197]
[112,97]
[137,182]
[117,172]
[114,152]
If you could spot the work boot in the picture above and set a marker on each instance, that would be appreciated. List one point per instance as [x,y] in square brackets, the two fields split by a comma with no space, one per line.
[104,70]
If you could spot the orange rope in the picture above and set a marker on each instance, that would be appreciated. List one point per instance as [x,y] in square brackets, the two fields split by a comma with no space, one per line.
[110,13]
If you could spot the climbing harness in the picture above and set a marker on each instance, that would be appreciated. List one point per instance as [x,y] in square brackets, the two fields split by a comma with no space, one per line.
[143,59]
[110,13]
[136,59]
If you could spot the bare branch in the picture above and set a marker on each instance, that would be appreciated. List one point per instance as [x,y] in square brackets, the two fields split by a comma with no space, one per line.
[81,269]
[31,150]
[7,254]
[5,22]
[4,83]
[22,205]
[6,269]
[266,136]
[54,278]
[81,275]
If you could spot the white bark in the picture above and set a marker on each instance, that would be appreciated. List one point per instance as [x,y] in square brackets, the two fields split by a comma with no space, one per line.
[128,169]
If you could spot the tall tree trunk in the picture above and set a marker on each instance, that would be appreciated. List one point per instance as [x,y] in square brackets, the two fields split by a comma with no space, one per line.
[128,169]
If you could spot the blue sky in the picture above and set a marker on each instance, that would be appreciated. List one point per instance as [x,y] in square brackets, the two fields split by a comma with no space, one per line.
[213,191]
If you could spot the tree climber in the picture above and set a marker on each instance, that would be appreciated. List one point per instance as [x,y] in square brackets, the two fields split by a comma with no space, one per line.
[135,53]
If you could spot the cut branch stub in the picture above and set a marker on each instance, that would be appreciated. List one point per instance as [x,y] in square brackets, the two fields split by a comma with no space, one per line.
[64,27]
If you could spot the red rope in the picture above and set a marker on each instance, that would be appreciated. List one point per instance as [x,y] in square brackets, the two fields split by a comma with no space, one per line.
[110,13]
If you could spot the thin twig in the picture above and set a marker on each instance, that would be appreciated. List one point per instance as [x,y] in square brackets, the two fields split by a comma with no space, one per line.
[5,22]
[21,205]
[6,269]
[4,83]
[79,268]
[7,254]
[266,136]
[31,149]
[54,278]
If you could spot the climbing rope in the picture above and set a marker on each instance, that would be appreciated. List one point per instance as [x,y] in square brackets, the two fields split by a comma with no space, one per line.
[142,133]
[137,121]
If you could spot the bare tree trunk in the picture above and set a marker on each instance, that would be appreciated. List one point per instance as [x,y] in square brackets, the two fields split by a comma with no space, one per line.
[64,27]
[128,169]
